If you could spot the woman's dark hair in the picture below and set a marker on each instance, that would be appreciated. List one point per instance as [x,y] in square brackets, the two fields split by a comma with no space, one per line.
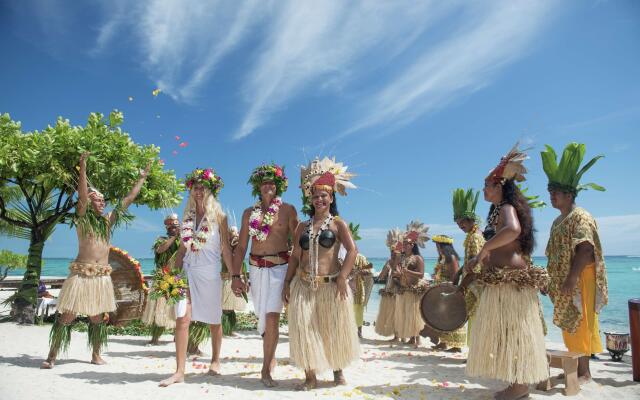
[448,251]
[512,195]
[415,250]
[333,208]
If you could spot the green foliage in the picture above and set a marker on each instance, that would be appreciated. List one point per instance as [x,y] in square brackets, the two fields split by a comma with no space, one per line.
[565,176]
[464,204]
[532,199]
[39,174]
[10,260]
[355,231]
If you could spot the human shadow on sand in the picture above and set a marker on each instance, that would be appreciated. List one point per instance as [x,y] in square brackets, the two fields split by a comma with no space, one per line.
[105,378]
[28,361]
[140,354]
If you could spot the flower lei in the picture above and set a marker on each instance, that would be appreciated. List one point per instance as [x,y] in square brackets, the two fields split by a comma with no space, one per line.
[194,241]
[259,224]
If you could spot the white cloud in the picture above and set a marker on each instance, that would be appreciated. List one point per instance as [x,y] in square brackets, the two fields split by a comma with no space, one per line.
[493,36]
[181,44]
[322,43]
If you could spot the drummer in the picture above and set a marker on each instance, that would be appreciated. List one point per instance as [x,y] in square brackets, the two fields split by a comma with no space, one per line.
[446,270]
[410,284]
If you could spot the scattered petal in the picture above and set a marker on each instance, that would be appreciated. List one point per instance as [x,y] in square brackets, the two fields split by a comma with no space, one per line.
[183,144]
[156,92]
[177,137]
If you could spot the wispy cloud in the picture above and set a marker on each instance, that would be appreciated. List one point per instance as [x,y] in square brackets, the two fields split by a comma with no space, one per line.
[494,35]
[181,44]
[321,44]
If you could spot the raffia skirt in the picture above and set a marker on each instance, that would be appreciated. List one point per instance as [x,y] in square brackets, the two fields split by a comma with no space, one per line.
[408,320]
[508,340]
[158,312]
[322,329]
[229,300]
[88,290]
[386,320]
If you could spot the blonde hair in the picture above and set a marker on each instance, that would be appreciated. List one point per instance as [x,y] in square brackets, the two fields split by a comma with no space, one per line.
[212,208]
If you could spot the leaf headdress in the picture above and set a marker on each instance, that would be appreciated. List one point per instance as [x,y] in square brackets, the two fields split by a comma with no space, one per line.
[565,176]
[464,204]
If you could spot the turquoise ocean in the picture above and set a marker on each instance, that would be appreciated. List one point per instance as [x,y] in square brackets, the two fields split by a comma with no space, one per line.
[623,276]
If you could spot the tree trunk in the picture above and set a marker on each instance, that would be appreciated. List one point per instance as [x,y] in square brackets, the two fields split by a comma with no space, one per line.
[24,305]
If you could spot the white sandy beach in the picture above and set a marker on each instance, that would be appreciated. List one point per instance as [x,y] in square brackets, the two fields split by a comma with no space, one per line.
[133,372]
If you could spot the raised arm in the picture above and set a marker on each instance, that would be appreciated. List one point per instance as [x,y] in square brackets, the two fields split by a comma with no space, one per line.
[83,188]
[135,190]
[182,250]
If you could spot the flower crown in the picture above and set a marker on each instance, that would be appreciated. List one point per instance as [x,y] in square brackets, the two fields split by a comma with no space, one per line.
[207,177]
[442,239]
[269,172]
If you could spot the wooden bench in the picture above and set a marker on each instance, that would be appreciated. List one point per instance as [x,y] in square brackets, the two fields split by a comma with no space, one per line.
[567,361]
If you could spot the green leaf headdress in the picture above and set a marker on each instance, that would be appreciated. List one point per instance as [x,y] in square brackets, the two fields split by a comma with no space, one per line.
[532,199]
[565,176]
[269,172]
[464,204]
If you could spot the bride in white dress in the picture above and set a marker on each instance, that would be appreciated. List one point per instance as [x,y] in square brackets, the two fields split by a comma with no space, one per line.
[204,242]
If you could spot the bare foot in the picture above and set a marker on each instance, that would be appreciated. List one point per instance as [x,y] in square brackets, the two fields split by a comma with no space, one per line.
[584,379]
[307,385]
[513,392]
[97,360]
[440,346]
[454,350]
[175,378]
[267,380]
[338,378]
[214,368]
[49,364]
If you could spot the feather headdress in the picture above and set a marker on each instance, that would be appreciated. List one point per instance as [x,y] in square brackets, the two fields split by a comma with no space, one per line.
[565,177]
[328,174]
[394,240]
[416,233]
[510,166]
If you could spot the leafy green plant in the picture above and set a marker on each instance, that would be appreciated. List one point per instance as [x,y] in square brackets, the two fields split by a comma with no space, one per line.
[10,260]
[38,180]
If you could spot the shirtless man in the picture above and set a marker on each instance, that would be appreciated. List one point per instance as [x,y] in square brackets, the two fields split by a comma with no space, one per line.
[269,224]
[88,290]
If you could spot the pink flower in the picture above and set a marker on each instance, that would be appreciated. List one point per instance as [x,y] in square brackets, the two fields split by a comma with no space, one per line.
[278,171]
[206,174]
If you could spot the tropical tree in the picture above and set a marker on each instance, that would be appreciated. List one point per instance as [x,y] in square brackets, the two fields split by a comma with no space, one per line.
[38,179]
[10,260]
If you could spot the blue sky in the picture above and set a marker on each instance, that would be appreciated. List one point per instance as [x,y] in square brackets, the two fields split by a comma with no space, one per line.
[418,98]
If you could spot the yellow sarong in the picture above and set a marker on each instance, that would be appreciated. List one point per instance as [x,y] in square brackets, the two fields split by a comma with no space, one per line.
[586,339]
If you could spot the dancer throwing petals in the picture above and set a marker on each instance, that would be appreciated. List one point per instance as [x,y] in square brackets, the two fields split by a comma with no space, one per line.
[88,289]
[508,339]
[204,243]
[322,327]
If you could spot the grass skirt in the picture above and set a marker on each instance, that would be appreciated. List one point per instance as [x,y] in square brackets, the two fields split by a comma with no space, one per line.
[408,320]
[229,300]
[385,320]
[508,341]
[322,329]
[87,295]
[158,312]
